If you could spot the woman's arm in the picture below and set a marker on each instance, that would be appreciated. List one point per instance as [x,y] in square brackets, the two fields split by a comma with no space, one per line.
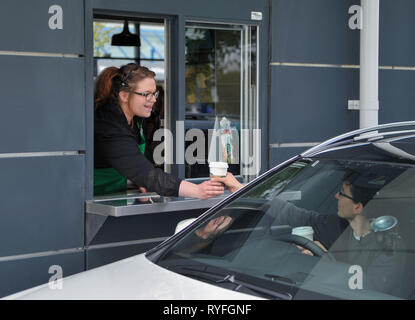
[121,153]
[204,190]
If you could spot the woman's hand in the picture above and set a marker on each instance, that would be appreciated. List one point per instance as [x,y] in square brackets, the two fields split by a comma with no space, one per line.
[143,190]
[229,181]
[205,190]
[209,189]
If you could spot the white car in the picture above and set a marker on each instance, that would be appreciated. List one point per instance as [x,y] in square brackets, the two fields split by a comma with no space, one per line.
[132,278]
[355,196]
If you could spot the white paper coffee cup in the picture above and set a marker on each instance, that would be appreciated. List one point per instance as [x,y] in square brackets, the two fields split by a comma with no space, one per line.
[304,231]
[218,169]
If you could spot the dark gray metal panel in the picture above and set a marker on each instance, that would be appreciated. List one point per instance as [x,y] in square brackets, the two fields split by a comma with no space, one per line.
[138,227]
[310,104]
[89,100]
[42,205]
[396,33]
[177,84]
[22,274]
[24,26]
[42,104]
[217,9]
[396,95]
[278,155]
[313,32]
[99,257]
[264,87]
[150,229]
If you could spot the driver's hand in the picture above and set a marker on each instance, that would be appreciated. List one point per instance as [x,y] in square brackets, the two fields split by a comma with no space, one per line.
[306,251]
[214,228]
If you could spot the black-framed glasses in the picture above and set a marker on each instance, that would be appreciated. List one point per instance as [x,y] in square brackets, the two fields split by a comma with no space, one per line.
[341,193]
[147,95]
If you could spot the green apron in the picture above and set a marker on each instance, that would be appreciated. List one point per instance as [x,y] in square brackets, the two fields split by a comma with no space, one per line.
[109,180]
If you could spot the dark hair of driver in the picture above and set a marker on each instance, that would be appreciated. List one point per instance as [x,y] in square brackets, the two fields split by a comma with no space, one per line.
[359,193]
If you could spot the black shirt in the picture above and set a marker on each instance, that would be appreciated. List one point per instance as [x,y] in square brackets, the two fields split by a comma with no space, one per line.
[116,146]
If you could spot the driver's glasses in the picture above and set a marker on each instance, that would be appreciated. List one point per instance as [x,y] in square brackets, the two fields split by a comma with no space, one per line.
[341,193]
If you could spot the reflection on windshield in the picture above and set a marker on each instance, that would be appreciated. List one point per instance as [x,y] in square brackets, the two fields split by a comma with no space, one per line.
[357,244]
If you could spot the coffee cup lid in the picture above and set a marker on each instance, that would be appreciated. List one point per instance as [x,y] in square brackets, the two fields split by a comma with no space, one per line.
[218,164]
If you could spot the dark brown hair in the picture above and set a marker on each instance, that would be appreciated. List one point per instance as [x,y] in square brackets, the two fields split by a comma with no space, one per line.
[113,80]
[359,193]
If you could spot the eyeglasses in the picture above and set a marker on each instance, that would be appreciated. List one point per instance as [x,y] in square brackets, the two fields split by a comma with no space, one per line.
[341,193]
[147,95]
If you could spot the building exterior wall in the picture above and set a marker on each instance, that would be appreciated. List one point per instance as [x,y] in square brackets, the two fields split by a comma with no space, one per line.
[46,131]
[314,71]
[42,142]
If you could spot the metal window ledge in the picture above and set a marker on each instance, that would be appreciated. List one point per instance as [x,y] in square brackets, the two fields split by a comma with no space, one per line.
[128,204]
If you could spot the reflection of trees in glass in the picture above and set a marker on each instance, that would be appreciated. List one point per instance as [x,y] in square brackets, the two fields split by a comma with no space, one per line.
[228,71]
[200,57]
[101,38]
[275,185]
[213,61]
[194,34]
[228,51]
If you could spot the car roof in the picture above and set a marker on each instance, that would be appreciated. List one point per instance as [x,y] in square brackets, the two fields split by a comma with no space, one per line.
[389,142]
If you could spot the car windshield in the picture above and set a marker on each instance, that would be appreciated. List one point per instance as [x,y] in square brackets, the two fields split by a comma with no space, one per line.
[319,228]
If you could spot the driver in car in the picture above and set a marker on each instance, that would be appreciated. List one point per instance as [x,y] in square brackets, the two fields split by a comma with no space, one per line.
[348,235]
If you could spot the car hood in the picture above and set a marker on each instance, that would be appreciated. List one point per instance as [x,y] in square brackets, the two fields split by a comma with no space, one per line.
[131,278]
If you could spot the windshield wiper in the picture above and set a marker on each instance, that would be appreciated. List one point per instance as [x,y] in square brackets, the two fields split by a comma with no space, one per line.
[240,286]
[274,277]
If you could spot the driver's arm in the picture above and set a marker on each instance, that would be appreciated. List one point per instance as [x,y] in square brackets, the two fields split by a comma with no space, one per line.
[327,227]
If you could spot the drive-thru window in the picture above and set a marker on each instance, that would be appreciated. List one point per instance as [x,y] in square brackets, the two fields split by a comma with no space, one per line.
[211,66]
[207,71]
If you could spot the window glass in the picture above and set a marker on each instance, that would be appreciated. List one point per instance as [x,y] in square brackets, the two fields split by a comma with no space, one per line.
[218,94]
[360,213]
[103,32]
[150,53]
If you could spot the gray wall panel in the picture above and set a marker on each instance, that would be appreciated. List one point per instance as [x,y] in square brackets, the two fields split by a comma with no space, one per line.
[313,31]
[278,155]
[396,33]
[43,104]
[17,275]
[146,226]
[310,104]
[149,229]
[232,9]
[42,205]
[396,95]
[24,26]
[99,257]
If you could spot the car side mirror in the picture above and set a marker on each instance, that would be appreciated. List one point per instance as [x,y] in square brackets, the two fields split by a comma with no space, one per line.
[183,224]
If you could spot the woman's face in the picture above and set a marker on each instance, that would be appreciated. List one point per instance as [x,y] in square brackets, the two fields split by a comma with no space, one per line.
[139,105]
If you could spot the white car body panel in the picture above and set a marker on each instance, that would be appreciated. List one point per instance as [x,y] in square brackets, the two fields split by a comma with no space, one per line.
[132,278]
